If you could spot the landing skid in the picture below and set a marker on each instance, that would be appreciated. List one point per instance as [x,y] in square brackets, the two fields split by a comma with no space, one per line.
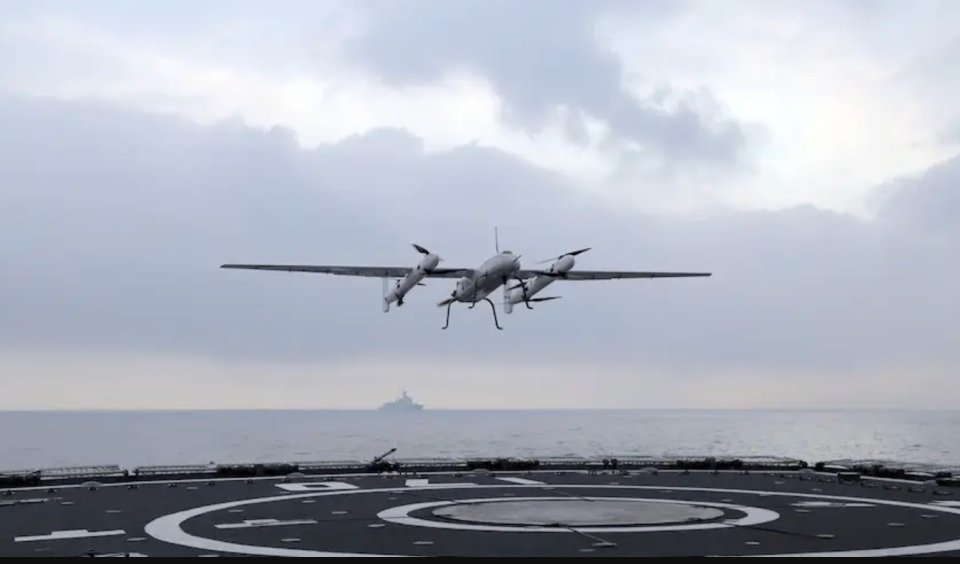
[523,289]
[493,308]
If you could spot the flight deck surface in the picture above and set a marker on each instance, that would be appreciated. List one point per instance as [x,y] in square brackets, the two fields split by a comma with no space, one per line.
[608,513]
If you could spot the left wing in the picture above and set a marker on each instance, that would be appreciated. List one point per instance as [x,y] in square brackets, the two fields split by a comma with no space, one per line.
[366,271]
[608,274]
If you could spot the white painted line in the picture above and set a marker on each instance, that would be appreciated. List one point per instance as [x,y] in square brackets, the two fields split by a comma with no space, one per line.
[824,504]
[425,483]
[946,503]
[521,481]
[252,523]
[72,534]
[316,486]
[29,501]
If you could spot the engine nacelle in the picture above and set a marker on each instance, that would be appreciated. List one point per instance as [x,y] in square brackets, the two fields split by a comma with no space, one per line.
[563,265]
[430,261]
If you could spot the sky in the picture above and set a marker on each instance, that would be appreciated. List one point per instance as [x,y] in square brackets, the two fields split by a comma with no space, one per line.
[807,154]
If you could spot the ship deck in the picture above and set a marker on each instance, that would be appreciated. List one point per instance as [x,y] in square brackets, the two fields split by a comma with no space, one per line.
[564,513]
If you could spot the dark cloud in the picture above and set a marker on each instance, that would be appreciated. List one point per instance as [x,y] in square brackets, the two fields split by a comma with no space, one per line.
[541,55]
[113,224]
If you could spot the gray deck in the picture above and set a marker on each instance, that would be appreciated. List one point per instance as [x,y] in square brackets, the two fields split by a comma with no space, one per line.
[763,514]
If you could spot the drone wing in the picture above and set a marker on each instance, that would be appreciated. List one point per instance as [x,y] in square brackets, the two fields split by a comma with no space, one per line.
[609,274]
[364,271]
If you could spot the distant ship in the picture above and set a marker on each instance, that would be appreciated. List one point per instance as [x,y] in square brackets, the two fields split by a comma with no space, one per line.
[403,403]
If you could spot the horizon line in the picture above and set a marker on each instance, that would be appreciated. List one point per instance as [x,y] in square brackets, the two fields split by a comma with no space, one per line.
[447,409]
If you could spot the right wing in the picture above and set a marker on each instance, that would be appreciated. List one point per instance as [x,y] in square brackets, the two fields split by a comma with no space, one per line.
[367,271]
[609,274]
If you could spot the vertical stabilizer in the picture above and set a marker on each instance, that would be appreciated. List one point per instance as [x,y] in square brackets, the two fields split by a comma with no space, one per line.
[507,305]
[383,294]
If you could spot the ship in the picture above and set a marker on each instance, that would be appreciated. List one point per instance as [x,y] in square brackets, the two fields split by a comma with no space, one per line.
[402,403]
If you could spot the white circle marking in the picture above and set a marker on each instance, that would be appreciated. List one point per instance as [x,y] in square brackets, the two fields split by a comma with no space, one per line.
[168,527]
[401,516]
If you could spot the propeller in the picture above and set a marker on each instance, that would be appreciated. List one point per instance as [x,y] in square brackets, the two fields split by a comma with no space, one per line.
[426,253]
[571,253]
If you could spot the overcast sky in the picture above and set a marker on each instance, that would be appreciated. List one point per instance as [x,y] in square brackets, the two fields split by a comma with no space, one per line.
[808,154]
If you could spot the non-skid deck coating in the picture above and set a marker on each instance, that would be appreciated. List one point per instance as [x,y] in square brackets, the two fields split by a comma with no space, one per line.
[762,515]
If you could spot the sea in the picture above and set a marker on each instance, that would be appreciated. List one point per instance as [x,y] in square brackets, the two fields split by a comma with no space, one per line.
[30,440]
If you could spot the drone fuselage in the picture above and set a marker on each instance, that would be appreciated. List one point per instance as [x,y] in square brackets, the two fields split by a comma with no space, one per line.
[492,274]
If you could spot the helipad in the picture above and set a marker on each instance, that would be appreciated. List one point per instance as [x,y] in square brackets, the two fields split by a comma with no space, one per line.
[573,512]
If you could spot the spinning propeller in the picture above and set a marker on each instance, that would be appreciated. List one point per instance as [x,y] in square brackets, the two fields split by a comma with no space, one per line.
[420,249]
[426,253]
[571,254]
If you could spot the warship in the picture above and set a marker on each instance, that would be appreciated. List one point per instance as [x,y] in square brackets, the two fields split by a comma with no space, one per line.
[402,403]
[613,506]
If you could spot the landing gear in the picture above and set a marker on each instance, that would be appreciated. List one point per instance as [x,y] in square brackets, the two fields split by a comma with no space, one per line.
[523,288]
[400,301]
[493,308]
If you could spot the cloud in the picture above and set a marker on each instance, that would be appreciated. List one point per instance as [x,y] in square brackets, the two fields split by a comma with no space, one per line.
[928,204]
[754,105]
[543,58]
[113,223]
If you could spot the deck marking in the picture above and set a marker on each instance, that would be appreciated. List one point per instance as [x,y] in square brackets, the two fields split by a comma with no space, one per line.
[30,501]
[401,516]
[521,481]
[253,523]
[425,483]
[168,527]
[826,504]
[316,487]
[71,534]
[946,503]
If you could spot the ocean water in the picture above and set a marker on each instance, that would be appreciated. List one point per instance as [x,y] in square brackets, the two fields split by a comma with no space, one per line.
[50,439]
